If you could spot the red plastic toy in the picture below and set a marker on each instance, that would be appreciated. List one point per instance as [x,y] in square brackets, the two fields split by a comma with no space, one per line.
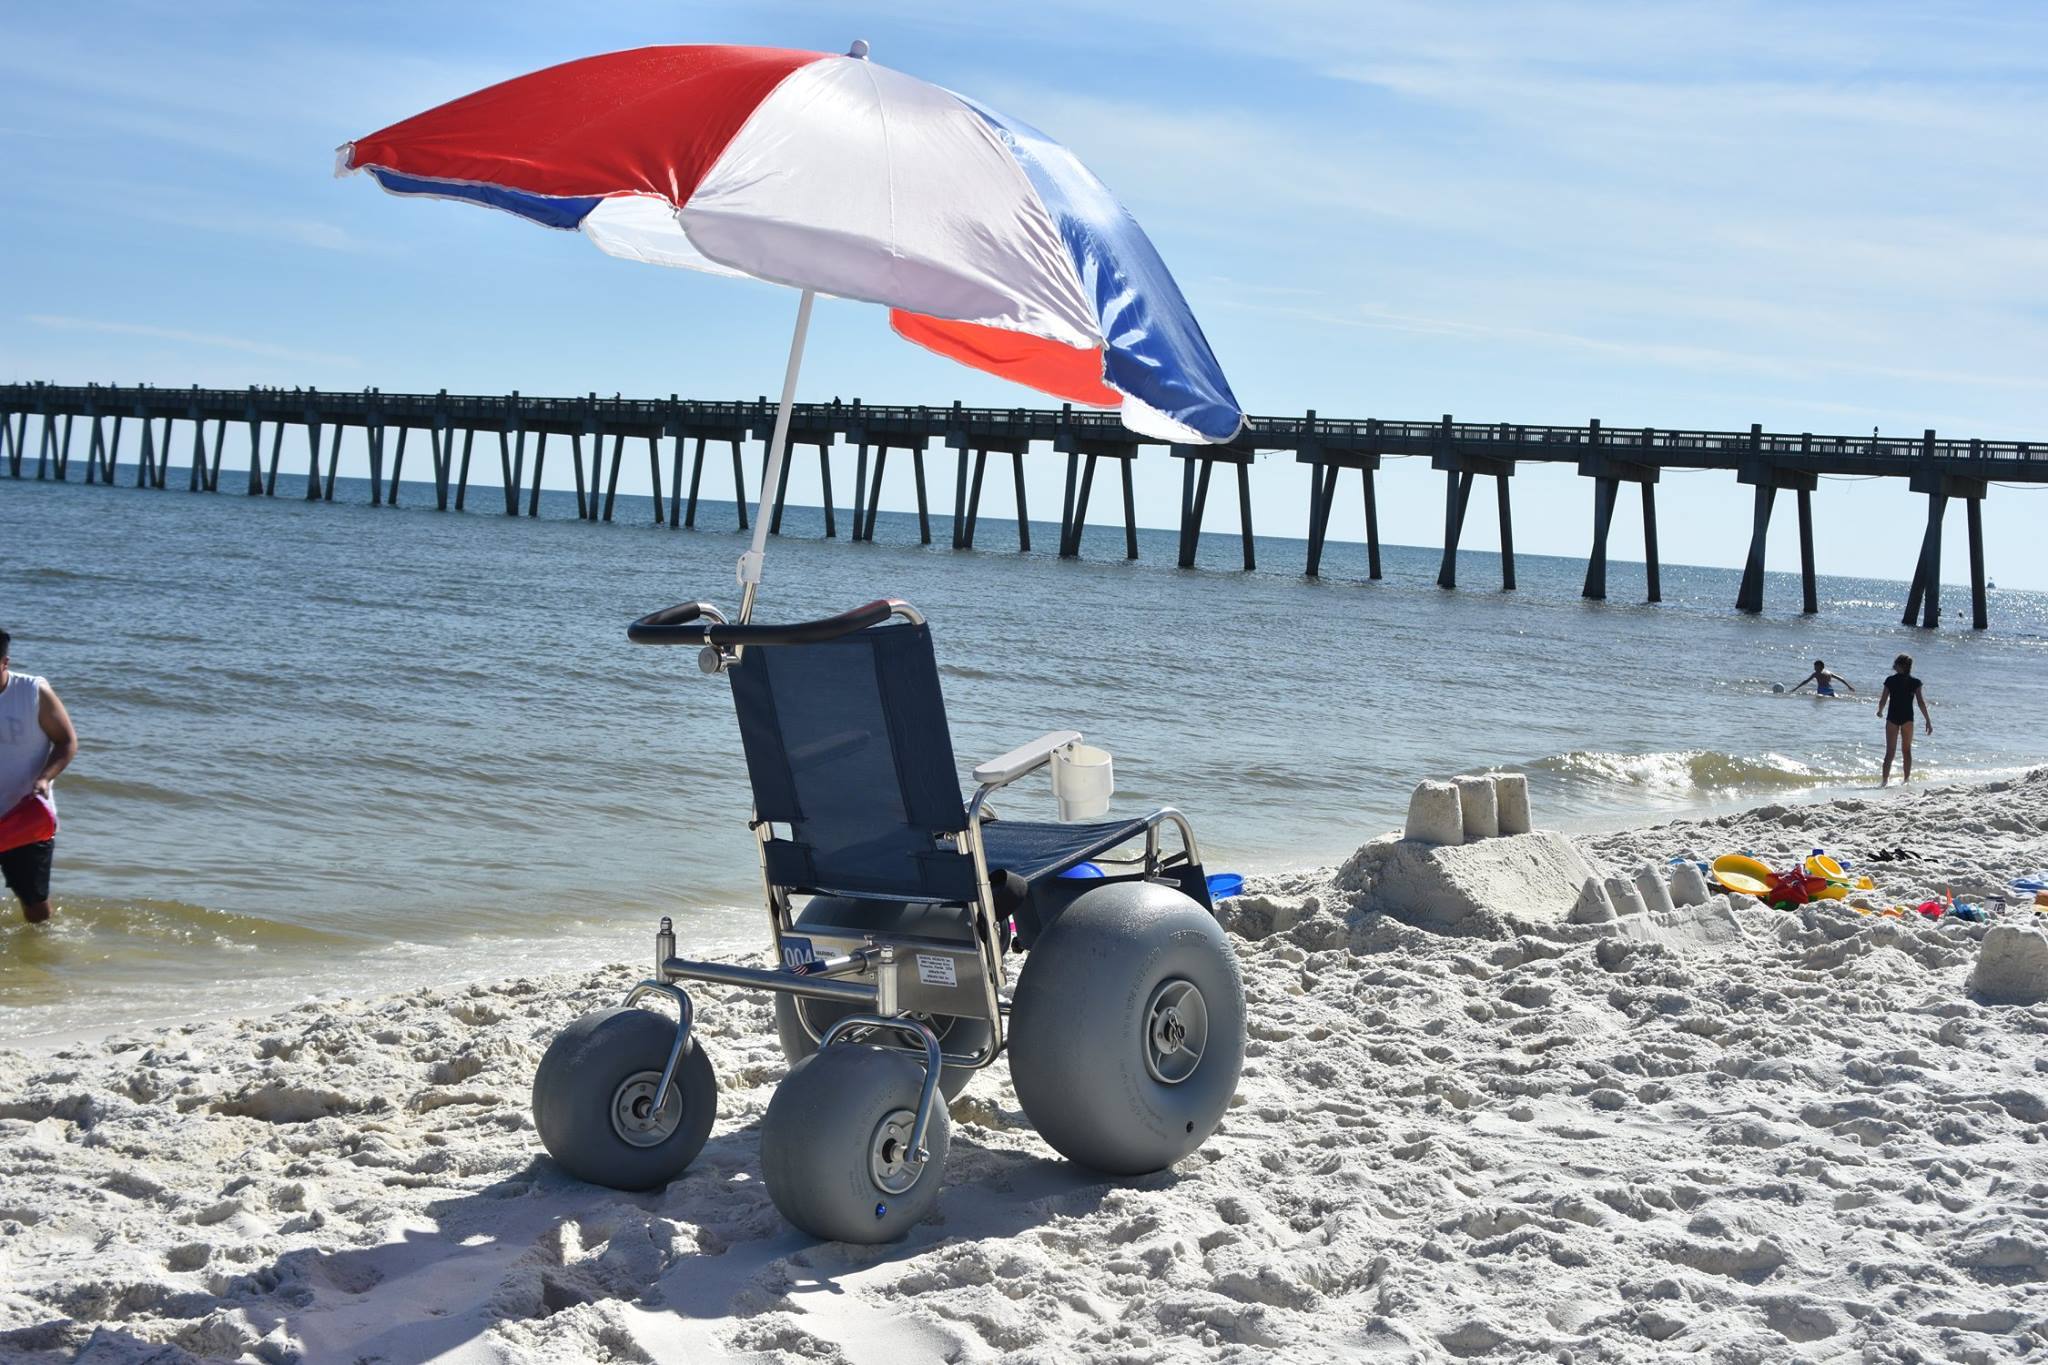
[1794,888]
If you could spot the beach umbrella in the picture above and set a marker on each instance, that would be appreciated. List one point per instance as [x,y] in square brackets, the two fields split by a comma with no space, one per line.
[987,241]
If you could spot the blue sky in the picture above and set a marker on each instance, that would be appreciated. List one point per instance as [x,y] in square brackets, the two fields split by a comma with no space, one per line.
[1818,217]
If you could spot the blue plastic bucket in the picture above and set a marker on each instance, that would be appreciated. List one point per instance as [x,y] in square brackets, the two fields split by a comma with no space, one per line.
[1223,885]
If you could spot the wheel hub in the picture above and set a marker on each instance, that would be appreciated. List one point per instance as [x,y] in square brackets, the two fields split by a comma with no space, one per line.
[637,1118]
[1176,1031]
[891,1161]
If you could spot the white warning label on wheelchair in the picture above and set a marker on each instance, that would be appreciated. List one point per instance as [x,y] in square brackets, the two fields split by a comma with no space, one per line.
[936,971]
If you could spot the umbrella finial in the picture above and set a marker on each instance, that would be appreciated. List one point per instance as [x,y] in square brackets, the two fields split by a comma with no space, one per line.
[859,49]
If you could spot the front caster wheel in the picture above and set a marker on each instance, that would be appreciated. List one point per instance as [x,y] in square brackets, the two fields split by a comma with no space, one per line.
[954,1034]
[595,1106]
[835,1145]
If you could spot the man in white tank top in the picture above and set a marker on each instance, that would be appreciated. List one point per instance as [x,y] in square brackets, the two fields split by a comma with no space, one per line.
[36,743]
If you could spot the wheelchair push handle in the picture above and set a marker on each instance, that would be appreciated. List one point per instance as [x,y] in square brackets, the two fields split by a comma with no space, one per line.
[700,623]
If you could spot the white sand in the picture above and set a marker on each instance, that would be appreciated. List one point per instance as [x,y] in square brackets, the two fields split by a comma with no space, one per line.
[1729,1134]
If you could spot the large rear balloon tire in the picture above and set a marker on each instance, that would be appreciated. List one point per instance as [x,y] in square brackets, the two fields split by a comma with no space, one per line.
[1127,1034]
[834,1142]
[594,1103]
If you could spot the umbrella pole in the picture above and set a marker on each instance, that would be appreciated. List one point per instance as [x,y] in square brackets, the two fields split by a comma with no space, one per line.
[771,472]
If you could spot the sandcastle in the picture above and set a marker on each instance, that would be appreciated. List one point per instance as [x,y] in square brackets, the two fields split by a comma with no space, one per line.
[1470,854]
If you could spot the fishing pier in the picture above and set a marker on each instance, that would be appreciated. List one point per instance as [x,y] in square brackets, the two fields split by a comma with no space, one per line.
[42,426]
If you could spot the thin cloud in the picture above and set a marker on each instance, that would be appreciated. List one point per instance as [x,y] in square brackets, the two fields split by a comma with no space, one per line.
[216,340]
[294,231]
[1651,352]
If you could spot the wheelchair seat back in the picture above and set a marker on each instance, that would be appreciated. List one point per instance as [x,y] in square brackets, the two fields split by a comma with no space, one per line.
[847,745]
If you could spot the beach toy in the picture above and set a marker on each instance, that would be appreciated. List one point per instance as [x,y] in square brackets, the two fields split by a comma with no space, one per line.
[1222,885]
[1930,909]
[30,821]
[1968,912]
[1836,881]
[1821,865]
[1794,887]
[1082,871]
[1744,874]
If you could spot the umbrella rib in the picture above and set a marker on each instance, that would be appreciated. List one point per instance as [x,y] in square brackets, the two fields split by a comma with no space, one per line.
[888,157]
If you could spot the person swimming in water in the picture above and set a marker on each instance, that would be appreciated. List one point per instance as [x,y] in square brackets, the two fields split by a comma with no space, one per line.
[1824,681]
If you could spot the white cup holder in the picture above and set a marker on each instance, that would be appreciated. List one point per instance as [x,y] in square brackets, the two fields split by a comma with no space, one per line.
[1082,781]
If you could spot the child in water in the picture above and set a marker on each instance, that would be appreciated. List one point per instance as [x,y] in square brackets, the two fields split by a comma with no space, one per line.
[1824,681]
[1895,703]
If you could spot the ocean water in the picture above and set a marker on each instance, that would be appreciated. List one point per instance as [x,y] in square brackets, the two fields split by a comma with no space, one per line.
[330,748]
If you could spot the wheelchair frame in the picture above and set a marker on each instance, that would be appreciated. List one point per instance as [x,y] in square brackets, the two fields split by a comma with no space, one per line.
[882,956]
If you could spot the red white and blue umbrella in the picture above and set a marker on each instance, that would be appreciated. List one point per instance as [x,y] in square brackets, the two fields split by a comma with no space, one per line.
[987,241]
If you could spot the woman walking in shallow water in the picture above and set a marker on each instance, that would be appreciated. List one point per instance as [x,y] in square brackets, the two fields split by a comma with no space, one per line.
[1895,703]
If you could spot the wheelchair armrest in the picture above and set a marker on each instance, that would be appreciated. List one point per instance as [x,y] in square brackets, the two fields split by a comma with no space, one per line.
[998,772]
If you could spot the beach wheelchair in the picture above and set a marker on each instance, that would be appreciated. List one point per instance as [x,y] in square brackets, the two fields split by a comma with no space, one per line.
[898,913]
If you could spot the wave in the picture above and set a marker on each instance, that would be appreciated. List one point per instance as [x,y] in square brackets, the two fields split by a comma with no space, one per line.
[146,924]
[1684,770]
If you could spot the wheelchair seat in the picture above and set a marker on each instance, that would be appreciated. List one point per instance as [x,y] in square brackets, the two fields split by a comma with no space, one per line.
[1034,849]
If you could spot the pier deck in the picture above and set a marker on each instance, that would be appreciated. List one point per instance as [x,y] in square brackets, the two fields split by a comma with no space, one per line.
[1942,468]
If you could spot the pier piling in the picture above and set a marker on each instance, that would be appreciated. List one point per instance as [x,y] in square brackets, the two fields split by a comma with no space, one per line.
[1980,610]
[1809,588]
[462,479]
[576,463]
[696,482]
[1504,506]
[540,459]
[1653,575]
[825,483]
[1457,496]
[1083,451]
[1923,597]
[1195,494]
[1023,507]
[1750,596]
[1604,491]
[1328,449]
[1605,464]
[611,482]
